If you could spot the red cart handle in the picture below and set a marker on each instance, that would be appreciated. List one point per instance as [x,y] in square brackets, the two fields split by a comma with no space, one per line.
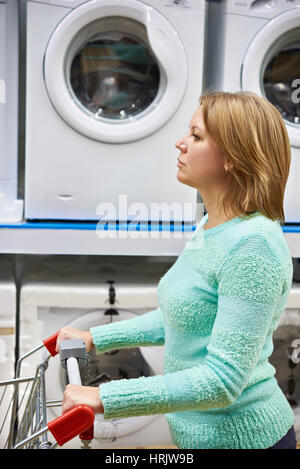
[50,344]
[88,434]
[71,423]
[77,421]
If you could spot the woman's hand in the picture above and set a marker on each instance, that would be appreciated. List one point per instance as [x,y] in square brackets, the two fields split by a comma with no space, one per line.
[69,332]
[84,395]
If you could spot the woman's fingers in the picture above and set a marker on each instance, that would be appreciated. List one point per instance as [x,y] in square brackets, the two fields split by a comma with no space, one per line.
[84,395]
[68,332]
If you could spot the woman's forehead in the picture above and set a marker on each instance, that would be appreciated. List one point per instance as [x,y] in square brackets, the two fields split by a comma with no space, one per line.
[197,120]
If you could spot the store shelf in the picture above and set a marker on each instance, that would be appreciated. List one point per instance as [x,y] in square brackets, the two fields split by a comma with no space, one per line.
[92,238]
[292,236]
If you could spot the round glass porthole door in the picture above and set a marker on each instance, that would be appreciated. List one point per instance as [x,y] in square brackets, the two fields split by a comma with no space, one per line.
[281,76]
[114,74]
[110,70]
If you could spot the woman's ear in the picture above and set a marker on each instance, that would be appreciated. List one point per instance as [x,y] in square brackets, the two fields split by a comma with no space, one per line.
[228,166]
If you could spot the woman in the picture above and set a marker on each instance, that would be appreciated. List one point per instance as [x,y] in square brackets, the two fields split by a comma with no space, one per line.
[221,300]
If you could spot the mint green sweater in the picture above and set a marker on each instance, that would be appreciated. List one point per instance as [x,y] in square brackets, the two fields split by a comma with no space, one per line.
[218,306]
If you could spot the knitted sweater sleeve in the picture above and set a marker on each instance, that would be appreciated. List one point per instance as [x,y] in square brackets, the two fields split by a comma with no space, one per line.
[147,329]
[251,282]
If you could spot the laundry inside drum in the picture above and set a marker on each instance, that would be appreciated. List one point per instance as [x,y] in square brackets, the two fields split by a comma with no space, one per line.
[115,74]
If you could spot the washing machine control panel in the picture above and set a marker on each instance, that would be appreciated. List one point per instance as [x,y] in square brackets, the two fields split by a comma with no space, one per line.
[194,4]
[180,4]
[260,8]
[61,3]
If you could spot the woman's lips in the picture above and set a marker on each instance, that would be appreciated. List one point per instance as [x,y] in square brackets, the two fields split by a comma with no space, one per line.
[179,164]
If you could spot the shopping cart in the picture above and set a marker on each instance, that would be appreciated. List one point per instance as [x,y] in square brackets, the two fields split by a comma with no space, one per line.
[25,411]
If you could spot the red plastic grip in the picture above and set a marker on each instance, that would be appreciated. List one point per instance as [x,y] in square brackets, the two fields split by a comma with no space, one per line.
[50,344]
[88,434]
[71,423]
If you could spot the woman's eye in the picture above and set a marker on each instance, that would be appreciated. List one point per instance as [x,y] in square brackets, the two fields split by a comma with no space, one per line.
[196,137]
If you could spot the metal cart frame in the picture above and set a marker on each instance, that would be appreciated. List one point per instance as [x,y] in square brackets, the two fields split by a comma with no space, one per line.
[28,426]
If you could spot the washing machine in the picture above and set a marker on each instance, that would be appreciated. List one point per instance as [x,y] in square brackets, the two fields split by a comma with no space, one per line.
[286,353]
[7,342]
[254,45]
[11,209]
[7,319]
[111,85]
[84,295]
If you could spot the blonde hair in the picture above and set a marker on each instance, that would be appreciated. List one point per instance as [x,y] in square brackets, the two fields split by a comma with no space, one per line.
[252,136]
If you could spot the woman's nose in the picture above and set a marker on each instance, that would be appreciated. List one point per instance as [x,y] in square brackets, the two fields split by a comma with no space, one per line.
[180,145]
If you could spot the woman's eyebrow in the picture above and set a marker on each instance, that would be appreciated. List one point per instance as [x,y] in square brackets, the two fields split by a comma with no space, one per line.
[196,127]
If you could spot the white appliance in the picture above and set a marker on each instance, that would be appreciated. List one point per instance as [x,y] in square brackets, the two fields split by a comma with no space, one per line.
[7,320]
[75,293]
[11,209]
[286,354]
[254,45]
[7,341]
[111,86]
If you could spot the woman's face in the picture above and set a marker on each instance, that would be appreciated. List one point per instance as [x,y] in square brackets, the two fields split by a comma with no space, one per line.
[202,161]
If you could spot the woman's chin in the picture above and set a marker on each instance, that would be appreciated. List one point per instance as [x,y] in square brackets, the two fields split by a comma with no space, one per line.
[183,180]
[181,177]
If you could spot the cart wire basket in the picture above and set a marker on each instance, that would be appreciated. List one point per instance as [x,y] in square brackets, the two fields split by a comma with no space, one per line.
[23,403]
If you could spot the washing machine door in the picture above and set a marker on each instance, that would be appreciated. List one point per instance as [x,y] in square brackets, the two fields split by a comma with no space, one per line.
[271,68]
[285,359]
[115,70]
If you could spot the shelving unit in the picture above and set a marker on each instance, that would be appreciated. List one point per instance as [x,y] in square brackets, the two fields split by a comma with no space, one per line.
[292,235]
[92,238]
